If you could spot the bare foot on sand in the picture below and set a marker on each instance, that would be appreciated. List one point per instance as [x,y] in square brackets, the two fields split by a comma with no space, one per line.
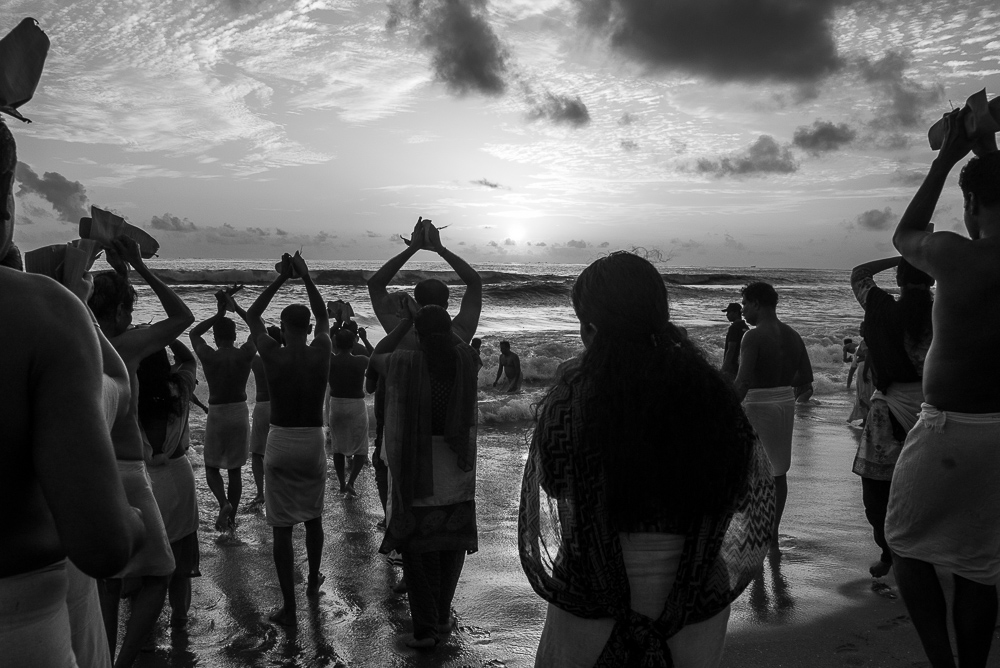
[283,617]
[222,521]
[312,589]
[350,491]
[422,643]
[448,626]
[879,568]
[256,504]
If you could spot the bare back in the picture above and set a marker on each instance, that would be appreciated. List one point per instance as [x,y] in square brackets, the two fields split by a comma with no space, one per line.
[347,375]
[260,379]
[773,355]
[227,370]
[297,376]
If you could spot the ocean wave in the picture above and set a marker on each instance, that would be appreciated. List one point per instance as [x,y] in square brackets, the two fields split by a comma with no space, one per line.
[707,279]
[354,277]
[528,290]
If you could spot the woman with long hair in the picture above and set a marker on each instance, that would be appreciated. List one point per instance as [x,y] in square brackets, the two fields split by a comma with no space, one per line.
[647,502]
[165,393]
[898,334]
[430,446]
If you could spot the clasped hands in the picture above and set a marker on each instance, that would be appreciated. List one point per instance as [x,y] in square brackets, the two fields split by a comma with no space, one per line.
[425,236]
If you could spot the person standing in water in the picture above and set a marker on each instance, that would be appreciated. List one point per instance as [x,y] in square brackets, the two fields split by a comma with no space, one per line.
[774,373]
[509,365]
[347,409]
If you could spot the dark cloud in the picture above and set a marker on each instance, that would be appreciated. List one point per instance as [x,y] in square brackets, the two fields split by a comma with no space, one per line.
[628,145]
[572,243]
[560,109]
[259,231]
[68,198]
[509,242]
[604,244]
[280,232]
[488,184]
[171,223]
[322,237]
[467,54]
[905,100]
[764,156]
[540,243]
[823,136]
[875,219]
[493,244]
[727,40]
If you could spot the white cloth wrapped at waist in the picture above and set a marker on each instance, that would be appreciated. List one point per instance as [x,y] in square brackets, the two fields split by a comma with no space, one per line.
[904,401]
[771,411]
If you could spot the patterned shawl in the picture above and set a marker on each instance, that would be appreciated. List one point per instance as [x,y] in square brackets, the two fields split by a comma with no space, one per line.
[572,556]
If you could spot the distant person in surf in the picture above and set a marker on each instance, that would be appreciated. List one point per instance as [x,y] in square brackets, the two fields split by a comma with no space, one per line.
[509,368]
[348,413]
[944,503]
[428,291]
[261,424]
[227,430]
[477,344]
[294,459]
[774,374]
[898,334]
[734,336]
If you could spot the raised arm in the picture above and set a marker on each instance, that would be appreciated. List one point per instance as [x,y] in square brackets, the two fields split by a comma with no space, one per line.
[250,347]
[912,238]
[321,334]
[863,278]
[467,321]
[363,335]
[137,344]
[198,331]
[183,356]
[379,360]
[378,284]
[256,311]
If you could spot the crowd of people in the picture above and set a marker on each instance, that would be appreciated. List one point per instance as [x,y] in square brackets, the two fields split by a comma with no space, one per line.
[637,524]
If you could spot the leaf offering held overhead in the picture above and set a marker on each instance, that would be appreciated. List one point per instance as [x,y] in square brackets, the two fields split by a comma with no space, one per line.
[103,226]
[22,57]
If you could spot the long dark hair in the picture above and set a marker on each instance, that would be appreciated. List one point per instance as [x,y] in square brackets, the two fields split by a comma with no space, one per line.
[675,440]
[914,300]
[433,325]
[156,401]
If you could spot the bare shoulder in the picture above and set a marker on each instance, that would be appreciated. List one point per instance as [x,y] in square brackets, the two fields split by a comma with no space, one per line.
[41,304]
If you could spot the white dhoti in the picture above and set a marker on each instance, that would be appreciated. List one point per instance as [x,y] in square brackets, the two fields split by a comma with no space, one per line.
[174,489]
[651,561]
[34,623]
[294,475]
[944,502]
[90,640]
[771,411]
[348,419]
[155,556]
[261,425]
[227,435]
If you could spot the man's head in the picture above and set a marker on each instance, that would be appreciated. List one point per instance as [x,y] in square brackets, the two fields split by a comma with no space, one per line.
[113,300]
[505,347]
[476,343]
[295,320]
[350,325]
[734,312]
[344,339]
[275,333]
[980,183]
[431,291]
[8,162]
[908,276]
[224,330]
[758,297]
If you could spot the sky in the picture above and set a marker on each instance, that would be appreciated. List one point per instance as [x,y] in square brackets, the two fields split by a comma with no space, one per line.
[780,133]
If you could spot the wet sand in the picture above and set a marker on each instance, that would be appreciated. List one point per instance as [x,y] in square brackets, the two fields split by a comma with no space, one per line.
[814,605]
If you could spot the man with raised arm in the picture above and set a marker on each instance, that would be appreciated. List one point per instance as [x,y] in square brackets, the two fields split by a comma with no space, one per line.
[295,457]
[944,502]
[227,430]
[261,424]
[112,303]
[59,484]
[774,373]
[429,291]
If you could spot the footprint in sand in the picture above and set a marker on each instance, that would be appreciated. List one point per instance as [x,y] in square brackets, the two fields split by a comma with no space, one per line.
[846,647]
[883,590]
[479,635]
[902,620]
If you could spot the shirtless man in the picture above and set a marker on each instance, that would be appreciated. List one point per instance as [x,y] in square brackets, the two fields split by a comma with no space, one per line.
[509,365]
[227,430]
[58,483]
[774,373]
[295,459]
[112,303]
[734,336]
[430,291]
[944,505]
[348,412]
[261,424]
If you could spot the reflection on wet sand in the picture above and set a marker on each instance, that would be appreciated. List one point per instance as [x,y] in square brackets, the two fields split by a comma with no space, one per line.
[771,599]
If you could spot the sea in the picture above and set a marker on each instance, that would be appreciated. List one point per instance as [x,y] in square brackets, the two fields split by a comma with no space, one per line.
[529,306]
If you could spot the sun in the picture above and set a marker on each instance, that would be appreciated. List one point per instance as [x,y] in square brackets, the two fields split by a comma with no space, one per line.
[516,233]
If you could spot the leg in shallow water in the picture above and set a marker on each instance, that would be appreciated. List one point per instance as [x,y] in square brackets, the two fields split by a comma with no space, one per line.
[924,598]
[975,616]
[780,495]
[235,493]
[314,553]
[422,571]
[179,594]
[257,466]
[146,606]
[213,477]
[284,562]
[338,467]
[452,562]
[875,495]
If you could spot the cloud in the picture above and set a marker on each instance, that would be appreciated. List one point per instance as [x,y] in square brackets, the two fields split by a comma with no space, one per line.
[493,244]
[280,232]
[540,243]
[628,145]
[372,235]
[764,156]
[875,219]
[909,178]
[171,223]
[488,184]
[259,231]
[627,119]
[572,243]
[509,242]
[823,136]
[68,198]
[560,109]
[726,40]
[730,242]
[905,100]
[467,55]
[604,244]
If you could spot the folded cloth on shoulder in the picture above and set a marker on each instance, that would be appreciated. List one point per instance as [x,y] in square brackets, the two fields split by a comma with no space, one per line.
[260,426]
[771,411]
[154,557]
[944,503]
[294,475]
[227,435]
[34,623]
[348,426]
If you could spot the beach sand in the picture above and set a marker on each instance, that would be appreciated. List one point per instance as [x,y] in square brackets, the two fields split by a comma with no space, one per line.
[813,606]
